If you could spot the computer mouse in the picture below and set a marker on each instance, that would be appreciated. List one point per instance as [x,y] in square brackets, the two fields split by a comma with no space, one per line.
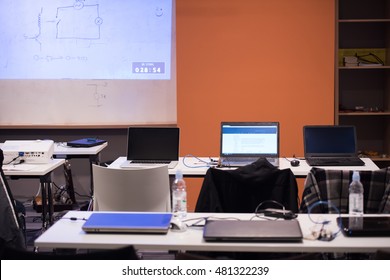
[294,162]
[178,225]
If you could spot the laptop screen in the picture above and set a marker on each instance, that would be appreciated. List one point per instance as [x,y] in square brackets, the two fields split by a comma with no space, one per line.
[329,140]
[260,139]
[153,143]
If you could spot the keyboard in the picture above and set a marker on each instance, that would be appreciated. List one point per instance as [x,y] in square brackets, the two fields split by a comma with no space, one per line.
[238,161]
[151,161]
[131,163]
[329,161]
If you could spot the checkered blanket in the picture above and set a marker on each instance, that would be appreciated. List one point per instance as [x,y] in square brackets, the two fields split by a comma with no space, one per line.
[333,186]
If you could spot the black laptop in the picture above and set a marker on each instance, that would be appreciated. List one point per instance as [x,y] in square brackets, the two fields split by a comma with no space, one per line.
[252,231]
[331,145]
[365,226]
[152,145]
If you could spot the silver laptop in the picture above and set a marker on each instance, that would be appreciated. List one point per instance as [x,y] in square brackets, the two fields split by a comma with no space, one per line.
[330,145]
[128,222]
[245,142]
[152,145]
[252,231]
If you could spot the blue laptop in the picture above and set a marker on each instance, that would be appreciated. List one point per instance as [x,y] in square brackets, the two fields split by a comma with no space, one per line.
[128,222]
[85,142]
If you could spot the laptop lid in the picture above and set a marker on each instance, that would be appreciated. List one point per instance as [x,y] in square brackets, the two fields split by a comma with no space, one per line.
[329,141]
[370,226]
[252,231]
[85,142]
[153,143]
[129,222]
[249,139]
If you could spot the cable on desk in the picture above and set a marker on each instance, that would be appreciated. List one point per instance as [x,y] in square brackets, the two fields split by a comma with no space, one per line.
[15,158]
[323,234]
[205,219]
[206,163]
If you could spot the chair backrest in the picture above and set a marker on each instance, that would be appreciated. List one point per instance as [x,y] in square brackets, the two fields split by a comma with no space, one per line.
[332,186]
[243,189]
[138,189]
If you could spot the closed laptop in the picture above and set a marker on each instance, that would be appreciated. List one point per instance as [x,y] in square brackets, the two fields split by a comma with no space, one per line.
[365,226]
[128,222]
[252,231]
[85,142]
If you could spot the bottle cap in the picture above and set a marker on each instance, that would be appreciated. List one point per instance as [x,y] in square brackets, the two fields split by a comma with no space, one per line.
[179,174]
[356,176]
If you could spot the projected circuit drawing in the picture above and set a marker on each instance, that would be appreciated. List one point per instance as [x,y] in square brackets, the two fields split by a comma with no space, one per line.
[86,39]
[79,21]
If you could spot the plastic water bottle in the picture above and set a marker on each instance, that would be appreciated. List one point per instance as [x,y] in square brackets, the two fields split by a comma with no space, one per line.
[356,192]
[179,196]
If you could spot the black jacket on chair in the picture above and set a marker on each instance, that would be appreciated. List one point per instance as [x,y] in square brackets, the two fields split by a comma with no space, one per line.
[241,190]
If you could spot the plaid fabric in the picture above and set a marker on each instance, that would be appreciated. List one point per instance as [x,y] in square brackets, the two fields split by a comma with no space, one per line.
[333,186]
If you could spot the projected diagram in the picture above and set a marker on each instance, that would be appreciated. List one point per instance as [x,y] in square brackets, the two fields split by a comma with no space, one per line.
[86,39]
[79,21]
[98,97]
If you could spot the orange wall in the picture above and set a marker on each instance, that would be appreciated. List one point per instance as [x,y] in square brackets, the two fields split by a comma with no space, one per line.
[252,60]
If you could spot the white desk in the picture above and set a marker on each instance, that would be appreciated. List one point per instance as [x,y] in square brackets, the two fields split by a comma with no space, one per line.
[193,167]
[66,233]
[43,172]
[62,150]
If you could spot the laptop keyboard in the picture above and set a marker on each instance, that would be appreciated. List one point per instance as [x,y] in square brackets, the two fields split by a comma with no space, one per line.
[238,161]
[151,161]
[329,161]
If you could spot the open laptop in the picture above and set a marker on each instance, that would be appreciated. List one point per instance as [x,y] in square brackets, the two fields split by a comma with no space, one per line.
[128,222]
[252,231]
[85,142]
[245,142]
[152,145]
[366,226]
[331,145]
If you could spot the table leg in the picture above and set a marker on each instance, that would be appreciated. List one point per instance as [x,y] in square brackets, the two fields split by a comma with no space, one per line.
[47,201]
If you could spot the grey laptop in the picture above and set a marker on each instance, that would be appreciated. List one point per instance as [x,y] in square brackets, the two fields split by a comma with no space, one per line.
[252,231]
[245,142]
[330,145]
[129,222]
[152,145]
